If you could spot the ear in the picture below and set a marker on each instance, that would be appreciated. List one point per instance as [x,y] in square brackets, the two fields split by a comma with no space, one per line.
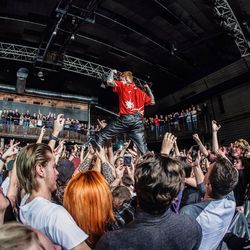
[40,171]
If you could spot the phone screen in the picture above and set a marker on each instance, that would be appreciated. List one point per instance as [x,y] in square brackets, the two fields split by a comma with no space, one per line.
[127,160]
[194,152]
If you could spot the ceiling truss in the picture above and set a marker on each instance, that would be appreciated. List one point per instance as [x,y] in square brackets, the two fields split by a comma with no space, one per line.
[70,63]
[230,23]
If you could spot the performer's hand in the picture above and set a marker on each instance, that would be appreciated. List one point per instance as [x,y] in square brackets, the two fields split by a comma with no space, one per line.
[114,71]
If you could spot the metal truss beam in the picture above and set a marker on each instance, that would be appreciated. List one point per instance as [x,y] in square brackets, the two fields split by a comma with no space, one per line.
[17,52]
[230,23]
[70,63]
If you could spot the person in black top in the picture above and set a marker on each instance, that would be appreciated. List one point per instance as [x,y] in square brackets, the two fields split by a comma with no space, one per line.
[158,179]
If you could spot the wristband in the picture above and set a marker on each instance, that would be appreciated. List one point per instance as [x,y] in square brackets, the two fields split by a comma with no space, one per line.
[52,137]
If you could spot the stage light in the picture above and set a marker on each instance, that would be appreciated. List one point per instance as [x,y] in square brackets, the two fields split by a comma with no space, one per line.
[22,73]
[40,74]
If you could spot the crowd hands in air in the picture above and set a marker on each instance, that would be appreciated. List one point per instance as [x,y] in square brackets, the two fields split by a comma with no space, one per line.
[98,197]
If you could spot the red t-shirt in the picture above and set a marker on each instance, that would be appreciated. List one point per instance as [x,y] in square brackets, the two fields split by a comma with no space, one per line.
[156,122]
[132,99]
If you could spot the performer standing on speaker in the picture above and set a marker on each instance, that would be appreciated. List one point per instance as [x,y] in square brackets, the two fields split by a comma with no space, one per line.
[132,101]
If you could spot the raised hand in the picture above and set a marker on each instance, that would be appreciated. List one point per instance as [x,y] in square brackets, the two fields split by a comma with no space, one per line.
[167,143]
[215,126]
[101,154]
[12,150]
[58,124]
[12,141]
[58,150]
[43,130]
[126,144]
[196,138]
[197,161]
[91,150]
[102,123]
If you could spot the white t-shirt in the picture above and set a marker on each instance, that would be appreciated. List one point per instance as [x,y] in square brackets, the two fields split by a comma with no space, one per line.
[5,185]
[53,220]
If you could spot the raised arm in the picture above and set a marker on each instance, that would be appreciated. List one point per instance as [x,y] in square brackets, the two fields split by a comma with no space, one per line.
[215,129]
[176,149]
[107,169]
[12,150]
[200,144]
[58,126]
[198,174]
[86,163]
[110,78]
[167,144]
[149,92]
[42,132]
[59,150]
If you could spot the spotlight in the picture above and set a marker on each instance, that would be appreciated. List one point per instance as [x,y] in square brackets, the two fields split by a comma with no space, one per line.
[173,47]
[54,32]
[22,73]
[40,74]
[72,37]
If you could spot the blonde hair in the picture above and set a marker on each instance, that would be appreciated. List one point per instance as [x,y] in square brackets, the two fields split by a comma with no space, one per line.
[26,162]
[127,74]
[17,236]
[243,144]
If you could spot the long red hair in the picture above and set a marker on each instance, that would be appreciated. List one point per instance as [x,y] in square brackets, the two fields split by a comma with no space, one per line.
[88,199]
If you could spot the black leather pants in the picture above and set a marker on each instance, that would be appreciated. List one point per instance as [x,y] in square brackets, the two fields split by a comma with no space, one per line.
[130,124]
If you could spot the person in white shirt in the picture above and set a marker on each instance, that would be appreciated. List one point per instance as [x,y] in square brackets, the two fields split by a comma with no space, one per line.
[37,174]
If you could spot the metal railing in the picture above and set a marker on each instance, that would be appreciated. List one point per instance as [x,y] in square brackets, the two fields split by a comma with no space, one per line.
[28,133]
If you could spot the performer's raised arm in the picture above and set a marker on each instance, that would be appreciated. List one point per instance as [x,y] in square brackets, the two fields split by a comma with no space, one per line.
[149,92]
[110,78]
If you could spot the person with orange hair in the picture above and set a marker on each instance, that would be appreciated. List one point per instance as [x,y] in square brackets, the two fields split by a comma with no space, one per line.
[132,101]
[88,199]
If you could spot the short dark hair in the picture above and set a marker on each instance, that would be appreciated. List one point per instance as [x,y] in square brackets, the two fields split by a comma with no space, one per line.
[158,180]
[223,178]
[121,192]
[127,180]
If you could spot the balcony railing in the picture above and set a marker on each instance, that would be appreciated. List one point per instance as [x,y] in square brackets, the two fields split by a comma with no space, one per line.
[153,133]
[21,132]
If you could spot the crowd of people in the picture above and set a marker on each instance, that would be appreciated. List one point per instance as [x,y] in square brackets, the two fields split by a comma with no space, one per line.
[15,122]
[95,197]
[191,119]
[106,199]
[185,120]
[11,118]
